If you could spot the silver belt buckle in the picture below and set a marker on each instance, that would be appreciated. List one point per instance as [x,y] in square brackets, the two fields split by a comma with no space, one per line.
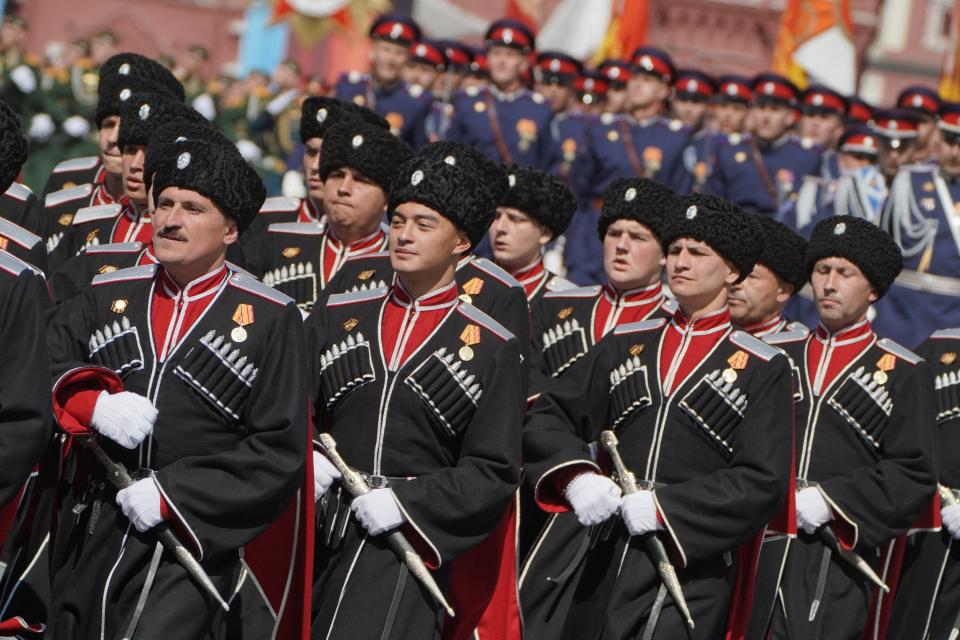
[376,481]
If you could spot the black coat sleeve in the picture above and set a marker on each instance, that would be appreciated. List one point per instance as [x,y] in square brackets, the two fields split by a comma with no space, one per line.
[25,405]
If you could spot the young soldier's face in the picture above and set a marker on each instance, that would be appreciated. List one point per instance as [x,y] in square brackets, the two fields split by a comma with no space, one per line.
[387,60]
[632,255]
[420,74]
[109,151]
[558,95]
[893,153]
[616,99]
[690,112]
[354,203]
[731,117]
[696,273]
[771,120]
[311,167]
[645,90]
[841,292]
[821,128]
[949,153]
[132,170]
[516,238]
[760,297]
[423,242]
[190,233]
[506,64]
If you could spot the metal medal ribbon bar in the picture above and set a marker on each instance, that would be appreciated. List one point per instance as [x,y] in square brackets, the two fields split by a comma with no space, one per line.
[353,481]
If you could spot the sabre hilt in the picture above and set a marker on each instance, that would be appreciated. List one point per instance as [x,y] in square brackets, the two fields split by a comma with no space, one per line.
[628,481]
[351,479]
[947,497]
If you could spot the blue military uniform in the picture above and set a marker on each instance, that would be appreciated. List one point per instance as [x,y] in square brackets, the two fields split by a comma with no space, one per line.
[459,59]
[403,105]
[760,175]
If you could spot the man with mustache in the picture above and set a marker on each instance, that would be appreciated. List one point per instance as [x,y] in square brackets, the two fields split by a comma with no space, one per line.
[434,425]
[693,402]
[301,258]
[865,459]
[94,181]
[175,369]
[140,115]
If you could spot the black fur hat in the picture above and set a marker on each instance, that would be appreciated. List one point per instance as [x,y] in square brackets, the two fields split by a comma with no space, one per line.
[373,151]
[784,251]
[14,146]
[642,199]
[319,113]
[491,173]
[215,169]
[541,196]
[164,139]
[142,113]
[127,73]
[729,231]
[862,243]
[450,189]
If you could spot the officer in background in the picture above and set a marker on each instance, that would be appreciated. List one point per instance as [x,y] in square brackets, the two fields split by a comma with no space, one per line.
[405,106]
[923,102]
[821,121]
[762,169]
[504,120]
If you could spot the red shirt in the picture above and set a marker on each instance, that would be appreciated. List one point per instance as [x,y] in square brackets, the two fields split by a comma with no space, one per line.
[133,226]
[408,322]
[532,277]
[335,253]
[308,211]
[761,329]
[829,354]
[615,308]
[100,193]
[686,343]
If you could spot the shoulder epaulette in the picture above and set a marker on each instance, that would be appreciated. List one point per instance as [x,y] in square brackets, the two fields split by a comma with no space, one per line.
[670,306]
[783,337]
[945,334]
[481,318]
[19,191]
[99,212]
[66,195]
[280,204]
[497,272]
[251,285]
[18,234]
[15,266]
[798,326]
[577,292]
[898,350]
[918,167]
[142,272]
[637,327]
[77,164]
[113,247]
[296,228]
[559,283]
[755,346]
[338,299]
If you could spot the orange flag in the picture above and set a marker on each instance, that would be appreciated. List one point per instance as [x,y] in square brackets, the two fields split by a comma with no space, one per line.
[950,73]
[814,41]
[632,27]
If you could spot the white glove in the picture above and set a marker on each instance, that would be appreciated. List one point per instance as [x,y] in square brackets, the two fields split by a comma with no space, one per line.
[126,418]
[24,78]
[250,151]
[812,510]
[639,513]
[378,511]
[203,103]
[594,498]
[76,127]
[324,473]
[140,502]
[951,520]
[282,101]
[41,127]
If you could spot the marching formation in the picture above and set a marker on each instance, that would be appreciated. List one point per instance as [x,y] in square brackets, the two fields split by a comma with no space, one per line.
[542,364]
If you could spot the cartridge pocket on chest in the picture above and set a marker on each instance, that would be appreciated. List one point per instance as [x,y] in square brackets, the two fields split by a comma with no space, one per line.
[452,393]
[345,367]
[216,370]
[629,390]
[116,346]
[865,404]
[717,406]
